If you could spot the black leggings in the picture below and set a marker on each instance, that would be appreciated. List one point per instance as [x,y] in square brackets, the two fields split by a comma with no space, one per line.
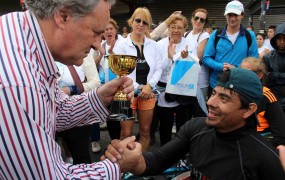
[183,113]
[77,140]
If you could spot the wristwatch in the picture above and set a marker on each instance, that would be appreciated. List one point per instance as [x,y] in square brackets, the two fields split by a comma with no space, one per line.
[73,90]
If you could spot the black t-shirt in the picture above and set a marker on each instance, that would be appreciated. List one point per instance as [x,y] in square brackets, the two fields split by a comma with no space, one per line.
[142,68]
[238,155]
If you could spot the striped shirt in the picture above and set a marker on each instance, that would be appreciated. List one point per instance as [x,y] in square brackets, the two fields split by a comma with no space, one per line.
[32,108]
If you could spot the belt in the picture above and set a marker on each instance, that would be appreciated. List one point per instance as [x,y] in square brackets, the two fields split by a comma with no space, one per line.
[161,84]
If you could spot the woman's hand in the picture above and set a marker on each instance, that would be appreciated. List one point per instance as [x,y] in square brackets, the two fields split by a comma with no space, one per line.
[112,44]
[146,92]
[171,49]
[184,53]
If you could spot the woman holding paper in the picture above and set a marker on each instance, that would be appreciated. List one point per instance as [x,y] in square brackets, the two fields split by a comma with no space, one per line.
[168,107]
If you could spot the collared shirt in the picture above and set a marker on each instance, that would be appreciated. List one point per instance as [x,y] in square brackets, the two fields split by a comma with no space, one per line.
[32,108]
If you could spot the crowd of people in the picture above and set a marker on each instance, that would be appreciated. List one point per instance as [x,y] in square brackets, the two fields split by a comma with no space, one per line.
[56,82]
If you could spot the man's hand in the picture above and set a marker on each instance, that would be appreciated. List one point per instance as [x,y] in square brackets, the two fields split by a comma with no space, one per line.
[66,90]
[227,66]
[128,154]
[108,90]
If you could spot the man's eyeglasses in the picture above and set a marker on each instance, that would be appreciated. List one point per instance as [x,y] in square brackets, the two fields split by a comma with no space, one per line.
[139,21]
[202,20]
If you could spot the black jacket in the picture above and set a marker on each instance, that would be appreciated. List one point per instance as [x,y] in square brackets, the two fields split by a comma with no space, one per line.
[239,155]
[275,65]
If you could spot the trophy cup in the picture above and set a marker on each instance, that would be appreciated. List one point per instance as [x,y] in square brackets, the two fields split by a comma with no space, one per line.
[120,107]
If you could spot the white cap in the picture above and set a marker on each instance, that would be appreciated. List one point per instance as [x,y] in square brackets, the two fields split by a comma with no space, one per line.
[235,7]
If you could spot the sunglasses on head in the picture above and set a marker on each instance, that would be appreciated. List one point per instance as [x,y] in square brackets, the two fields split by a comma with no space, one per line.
[202,20]
[139,21]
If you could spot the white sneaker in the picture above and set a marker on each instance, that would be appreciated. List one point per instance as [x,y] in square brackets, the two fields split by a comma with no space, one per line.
[103,125]
[95,146]
[173,129]
[69,160]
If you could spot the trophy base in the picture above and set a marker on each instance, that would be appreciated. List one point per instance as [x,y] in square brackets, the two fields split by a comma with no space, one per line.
[121,111]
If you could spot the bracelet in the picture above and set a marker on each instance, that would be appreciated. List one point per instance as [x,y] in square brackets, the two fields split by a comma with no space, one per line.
[152,86]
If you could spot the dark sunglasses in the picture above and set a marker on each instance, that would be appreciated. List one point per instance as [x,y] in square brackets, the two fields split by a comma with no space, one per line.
[139,21]
[202,20]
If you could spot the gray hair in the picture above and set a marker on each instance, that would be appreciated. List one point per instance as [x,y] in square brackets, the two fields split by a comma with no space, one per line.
[46,8]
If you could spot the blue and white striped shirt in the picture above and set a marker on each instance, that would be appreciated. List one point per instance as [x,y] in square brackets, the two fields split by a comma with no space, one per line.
[32,108]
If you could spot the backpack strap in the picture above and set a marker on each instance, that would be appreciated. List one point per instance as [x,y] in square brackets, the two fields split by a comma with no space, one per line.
[248,38]
[217,37]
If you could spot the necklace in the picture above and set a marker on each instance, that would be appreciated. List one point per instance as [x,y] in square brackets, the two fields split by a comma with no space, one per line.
[136,41]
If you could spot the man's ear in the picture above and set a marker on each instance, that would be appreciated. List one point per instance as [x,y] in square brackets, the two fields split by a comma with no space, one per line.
[260,75]
[62,17]
[250,110]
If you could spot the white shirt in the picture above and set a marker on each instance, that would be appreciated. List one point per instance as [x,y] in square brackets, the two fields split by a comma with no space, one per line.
[193,43]
[267,43]
[166,66]
[233,37]
[87,70]
[104,60]
[260,50]
[152,55]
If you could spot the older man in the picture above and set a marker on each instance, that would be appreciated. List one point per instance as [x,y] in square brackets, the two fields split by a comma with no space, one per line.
[226,48]
[32,107]
[225,145]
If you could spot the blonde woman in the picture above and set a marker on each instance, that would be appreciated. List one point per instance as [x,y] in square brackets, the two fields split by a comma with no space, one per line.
[146,74]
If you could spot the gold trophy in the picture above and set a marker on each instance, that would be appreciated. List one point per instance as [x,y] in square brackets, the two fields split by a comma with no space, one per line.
[120,107]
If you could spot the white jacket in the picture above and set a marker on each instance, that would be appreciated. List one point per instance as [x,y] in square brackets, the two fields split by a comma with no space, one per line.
[152,55]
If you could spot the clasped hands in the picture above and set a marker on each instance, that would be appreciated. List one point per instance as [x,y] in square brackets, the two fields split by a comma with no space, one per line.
[127,153]
[146,92]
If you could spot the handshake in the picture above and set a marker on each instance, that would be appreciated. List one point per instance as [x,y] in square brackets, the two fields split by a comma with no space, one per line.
[128,154]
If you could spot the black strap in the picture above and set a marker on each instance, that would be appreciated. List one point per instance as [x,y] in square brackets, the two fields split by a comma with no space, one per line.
[186,34]
[217,37]
[200,35]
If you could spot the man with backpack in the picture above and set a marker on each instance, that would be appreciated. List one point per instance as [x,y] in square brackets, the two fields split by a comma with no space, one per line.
[227,47]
